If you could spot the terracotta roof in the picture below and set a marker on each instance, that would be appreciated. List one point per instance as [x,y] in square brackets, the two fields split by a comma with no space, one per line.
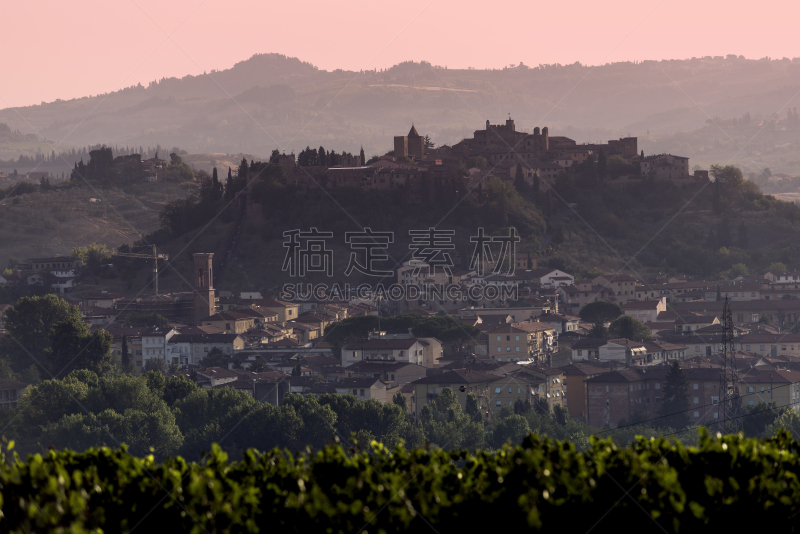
[391,344]
[374,366]
[589,343]
[12,384]
[618,277]
[769,338]
[641,305]
[217,372]
[582,369]
[203,338]
[694,319]
[662,345]
[627,343]
[457,376]
[358,382]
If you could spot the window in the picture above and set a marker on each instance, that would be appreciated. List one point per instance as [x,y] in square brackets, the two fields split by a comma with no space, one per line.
[694,386]
[751,403]
[761,347]
[580,352]
[508,338]
[516,349]
[499,349]
[508,349]
[695,400]
[606,389]
[518,391]
[658,399]
[498,338]
[355,392]
[747,347]
[511,403]
[716,415]
[750,389]
[361,392]
[696,414]
[391,377]
[658,385]
[139,363]
[714,400]
[497,390]
[516,338]
[499,403]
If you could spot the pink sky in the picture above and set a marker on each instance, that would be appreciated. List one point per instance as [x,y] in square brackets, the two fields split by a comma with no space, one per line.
[85,47]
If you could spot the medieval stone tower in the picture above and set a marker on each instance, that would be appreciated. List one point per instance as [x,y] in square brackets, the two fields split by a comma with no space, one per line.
[411,145]
[204,302]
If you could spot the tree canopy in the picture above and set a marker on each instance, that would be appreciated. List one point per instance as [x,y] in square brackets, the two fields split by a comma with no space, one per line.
[28,325]
[629,328]
[600,311]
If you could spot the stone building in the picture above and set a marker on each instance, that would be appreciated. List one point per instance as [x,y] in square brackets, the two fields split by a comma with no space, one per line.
[411,145]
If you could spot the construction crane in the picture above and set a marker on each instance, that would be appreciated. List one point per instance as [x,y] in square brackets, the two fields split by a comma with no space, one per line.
[155,256]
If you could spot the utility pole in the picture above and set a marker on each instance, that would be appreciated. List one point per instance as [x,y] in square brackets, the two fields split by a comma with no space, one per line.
[730,402]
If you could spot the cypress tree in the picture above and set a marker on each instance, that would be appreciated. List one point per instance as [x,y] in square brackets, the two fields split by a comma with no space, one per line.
[519,182]
[125,357]
[229,185]
[215,185]
[674,410]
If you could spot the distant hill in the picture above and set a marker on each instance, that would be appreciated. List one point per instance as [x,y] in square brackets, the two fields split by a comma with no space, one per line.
[282,101]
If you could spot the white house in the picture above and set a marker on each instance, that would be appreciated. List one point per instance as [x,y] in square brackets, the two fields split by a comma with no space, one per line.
[645,310]
[623,351]
[154,343]
[409,350]
[190,349]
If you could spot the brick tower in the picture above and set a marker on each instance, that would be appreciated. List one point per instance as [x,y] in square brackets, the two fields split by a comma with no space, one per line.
[204,302]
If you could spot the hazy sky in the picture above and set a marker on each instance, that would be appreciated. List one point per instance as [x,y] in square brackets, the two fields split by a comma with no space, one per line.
[85,47]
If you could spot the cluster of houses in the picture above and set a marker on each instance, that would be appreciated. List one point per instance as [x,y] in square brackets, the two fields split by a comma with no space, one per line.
[59,273]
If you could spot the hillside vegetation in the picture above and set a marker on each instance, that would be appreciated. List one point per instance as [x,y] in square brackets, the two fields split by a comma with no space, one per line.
[716,229]
[51,222]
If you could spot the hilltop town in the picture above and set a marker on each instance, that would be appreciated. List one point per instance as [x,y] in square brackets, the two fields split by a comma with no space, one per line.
[505,332]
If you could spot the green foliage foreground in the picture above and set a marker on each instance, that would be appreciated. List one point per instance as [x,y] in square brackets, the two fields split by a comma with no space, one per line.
[542,485]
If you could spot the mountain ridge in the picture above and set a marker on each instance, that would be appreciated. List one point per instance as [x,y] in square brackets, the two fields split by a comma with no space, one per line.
[271,100]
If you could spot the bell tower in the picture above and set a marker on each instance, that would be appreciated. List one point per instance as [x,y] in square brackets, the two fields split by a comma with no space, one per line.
[204,302]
